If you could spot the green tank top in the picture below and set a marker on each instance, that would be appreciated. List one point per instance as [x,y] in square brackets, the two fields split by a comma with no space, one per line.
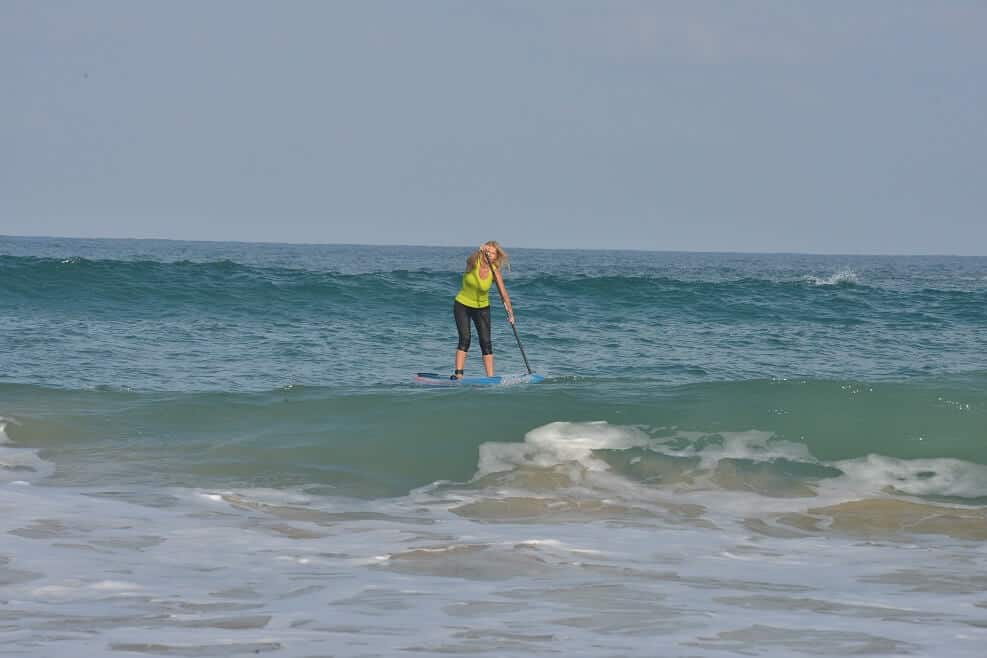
[475,292]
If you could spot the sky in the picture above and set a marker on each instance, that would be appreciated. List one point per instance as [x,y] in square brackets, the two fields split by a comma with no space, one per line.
[819,127]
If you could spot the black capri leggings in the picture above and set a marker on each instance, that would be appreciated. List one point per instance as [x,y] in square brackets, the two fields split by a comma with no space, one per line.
[481,318]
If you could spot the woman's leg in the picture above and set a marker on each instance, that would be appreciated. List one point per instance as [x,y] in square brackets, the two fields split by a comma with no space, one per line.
[462,316]
[481,318]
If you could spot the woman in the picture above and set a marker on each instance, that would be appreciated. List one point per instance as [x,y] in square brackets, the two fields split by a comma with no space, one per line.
[473,303]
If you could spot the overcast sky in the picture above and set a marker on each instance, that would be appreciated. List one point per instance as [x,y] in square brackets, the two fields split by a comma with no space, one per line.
[828,126]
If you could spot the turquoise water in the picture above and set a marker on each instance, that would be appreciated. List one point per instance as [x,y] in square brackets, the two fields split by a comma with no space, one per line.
[730,453]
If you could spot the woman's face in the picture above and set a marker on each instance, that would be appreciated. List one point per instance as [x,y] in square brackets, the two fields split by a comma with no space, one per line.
[490,251]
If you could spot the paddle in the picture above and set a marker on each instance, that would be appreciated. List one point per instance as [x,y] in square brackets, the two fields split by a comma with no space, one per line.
[521,347]
[500,289]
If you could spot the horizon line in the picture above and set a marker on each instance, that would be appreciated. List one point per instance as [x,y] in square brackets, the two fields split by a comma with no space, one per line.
[437,246]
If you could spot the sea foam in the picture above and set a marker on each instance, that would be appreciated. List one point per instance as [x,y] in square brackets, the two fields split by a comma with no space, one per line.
[840,278]
[20,465]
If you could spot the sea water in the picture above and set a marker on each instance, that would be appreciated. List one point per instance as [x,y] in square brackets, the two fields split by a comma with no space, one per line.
[218,449]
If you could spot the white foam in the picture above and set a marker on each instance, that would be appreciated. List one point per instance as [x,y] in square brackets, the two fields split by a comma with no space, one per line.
[4,421]
[917,477]
[750,445]
[557,545]
[567,448]
[20,465]
[114,585]
[265,496]
[560,443]
[843,277]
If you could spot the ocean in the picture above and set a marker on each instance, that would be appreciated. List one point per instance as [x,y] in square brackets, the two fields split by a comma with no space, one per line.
[218,449]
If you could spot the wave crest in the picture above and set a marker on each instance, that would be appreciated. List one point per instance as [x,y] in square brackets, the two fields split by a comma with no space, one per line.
[844,277]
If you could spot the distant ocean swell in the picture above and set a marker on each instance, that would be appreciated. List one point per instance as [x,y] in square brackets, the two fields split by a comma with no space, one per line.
[140,285]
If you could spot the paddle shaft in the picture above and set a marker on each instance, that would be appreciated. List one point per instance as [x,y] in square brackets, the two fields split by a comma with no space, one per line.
[521,347]
[500,289]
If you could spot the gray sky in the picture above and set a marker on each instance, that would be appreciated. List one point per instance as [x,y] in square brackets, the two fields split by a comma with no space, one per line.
[835,127]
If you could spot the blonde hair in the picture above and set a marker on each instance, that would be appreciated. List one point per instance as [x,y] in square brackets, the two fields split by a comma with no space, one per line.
[499,262]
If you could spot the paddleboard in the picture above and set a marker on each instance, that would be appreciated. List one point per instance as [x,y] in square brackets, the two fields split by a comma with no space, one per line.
[434,379]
